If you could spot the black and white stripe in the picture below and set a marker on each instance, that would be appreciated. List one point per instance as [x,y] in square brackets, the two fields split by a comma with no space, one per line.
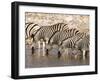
[59,37]
[30,29]
[83,44]
[75,42]
[47,32]
[71,42]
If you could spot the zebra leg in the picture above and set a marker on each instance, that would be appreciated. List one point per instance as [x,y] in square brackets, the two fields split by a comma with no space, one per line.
[32,50]
[59,54]
[84,54]
[67,51]
[43,48]
[39,48]
[47,52]
[76,56]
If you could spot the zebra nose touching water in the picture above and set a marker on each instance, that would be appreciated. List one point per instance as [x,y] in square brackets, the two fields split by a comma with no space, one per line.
[59,37]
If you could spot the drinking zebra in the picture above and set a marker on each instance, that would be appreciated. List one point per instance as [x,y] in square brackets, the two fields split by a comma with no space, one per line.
[71,43]
[83,44]
[30,30]
[47,32]
[60,36]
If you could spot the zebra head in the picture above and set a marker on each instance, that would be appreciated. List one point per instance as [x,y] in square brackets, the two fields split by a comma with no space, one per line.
[30,31]
[29,41]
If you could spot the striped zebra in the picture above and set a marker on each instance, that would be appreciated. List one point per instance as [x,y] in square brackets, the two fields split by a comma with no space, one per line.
[59,37]
[71,43]
[47,32]
[83,44]
[30,30]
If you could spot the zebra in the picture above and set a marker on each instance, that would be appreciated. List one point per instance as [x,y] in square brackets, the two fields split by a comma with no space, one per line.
[59,37]
[83,44]
[71,43]
[47,32]
[30,30]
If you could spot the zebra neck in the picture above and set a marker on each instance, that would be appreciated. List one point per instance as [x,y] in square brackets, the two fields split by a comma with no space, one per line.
[52,36]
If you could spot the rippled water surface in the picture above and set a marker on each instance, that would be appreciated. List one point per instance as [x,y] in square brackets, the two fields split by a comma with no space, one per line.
[39,60]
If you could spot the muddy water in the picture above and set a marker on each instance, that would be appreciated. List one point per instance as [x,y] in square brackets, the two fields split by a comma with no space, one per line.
[39,60]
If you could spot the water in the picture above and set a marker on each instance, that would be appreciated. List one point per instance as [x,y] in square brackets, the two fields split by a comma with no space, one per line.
[38,59]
